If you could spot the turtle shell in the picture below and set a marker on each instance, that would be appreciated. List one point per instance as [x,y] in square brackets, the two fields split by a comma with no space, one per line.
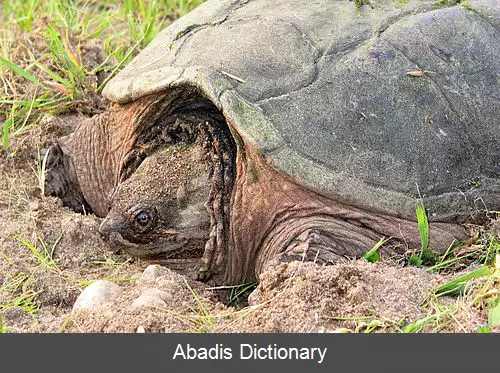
[376,106]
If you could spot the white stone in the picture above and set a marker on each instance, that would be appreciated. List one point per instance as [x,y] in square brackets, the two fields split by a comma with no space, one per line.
[254,297]
[34,205]
[150,274]
[99,293]
[151,297]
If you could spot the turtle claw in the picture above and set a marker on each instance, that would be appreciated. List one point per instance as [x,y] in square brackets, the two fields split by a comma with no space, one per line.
[58,180]
[52,154]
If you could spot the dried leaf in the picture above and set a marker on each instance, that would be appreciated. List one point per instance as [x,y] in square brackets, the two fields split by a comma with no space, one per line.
[467,249]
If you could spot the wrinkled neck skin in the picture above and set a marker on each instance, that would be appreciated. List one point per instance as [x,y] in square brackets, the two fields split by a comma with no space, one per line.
[274,219]
[95,153]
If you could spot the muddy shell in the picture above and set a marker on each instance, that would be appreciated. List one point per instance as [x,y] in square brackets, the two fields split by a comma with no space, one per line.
[375,106]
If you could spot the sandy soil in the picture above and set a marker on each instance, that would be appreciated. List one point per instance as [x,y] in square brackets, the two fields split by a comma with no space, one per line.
[292,297]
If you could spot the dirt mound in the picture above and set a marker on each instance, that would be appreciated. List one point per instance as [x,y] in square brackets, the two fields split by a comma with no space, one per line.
[292,297]
[304,297]
[169,302]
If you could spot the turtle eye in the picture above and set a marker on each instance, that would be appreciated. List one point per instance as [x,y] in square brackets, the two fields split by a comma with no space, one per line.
[143,218]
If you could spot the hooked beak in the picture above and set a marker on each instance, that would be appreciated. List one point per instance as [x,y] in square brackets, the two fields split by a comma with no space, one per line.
[116,239]
[108,229]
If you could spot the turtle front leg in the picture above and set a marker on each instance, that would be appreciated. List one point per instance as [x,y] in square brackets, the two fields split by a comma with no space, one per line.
[322,239]
[61,179]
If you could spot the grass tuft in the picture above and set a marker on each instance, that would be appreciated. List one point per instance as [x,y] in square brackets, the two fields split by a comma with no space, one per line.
[457,285]
[426,255]
[239,291]
[44,255]
[48,50]
[20,294]
[204,323]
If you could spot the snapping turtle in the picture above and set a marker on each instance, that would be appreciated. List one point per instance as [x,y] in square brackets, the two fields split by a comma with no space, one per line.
[325,123]
[146,206]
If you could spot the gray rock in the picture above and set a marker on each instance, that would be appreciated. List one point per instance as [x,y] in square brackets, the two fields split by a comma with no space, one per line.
[254,297]
[150,274]
[98,294]
[151,298]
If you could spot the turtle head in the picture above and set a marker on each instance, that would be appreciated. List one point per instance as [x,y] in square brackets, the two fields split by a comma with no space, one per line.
[160,208]
[141,231]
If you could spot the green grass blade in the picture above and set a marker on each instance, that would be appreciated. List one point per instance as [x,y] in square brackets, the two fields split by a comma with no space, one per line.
[23,102]
[373,255]
[423,226]
[483,330]
[60,50]
[5,132]
[418,325]
[121,63]
[457,285]
[426,255]
[56,77]
[25,74]
[32,248]
[492,251]
[447,263]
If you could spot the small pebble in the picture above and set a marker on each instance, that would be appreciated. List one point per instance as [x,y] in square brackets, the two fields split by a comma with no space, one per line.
[99,293]
[495,227]
[254,297]
[151,297]
[34,205]
[150,274]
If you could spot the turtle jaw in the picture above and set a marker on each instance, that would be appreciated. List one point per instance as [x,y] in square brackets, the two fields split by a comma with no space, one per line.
[116,239]
[153,249]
